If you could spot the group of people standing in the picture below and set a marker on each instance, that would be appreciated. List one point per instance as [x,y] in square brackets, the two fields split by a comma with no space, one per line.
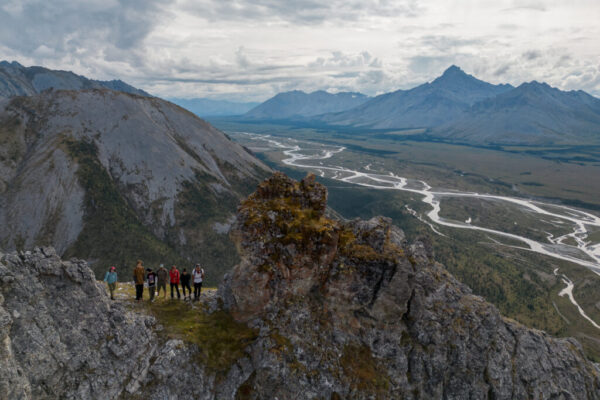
[157,281]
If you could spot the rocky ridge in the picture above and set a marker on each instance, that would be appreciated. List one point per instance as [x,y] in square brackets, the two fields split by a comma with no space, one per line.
[425,106]
[61,336]
[329,309]
[366,315]
[18,80]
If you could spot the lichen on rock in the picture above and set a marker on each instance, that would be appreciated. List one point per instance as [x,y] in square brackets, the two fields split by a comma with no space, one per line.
[364,314]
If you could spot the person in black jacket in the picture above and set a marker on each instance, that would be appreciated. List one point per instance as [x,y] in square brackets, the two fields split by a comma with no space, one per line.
[151,278]
[185,283]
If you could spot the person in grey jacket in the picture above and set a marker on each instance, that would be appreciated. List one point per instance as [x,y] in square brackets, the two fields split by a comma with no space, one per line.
[162,275]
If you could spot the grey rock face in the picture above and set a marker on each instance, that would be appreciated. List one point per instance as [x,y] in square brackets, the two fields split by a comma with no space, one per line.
[380,319]
[69,340]
[62,338]
[152,151]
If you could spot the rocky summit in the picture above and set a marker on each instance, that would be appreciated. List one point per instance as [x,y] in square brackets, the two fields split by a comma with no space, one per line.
[362,314]
[317,308]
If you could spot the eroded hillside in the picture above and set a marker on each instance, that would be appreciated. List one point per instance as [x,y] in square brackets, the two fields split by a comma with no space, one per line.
[112,177]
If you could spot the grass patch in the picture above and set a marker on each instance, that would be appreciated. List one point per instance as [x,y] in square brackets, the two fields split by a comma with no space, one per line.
[220,339]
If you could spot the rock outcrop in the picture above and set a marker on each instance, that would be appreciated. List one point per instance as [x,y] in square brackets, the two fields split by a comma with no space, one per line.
[354,311]
[325,309]
[60,335]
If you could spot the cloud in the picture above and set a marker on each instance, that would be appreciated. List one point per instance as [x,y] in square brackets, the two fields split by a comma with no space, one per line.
[521,5]
[427,65]
[251,49]
[531,55]
[339,59]
[502,70]
[66,25]
[302,12]
[242,58]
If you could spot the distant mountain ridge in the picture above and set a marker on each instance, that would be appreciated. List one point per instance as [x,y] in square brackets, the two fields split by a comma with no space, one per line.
[459,107]
[212,108]
[534,112]
[424,106]
[17,80]
[300,104]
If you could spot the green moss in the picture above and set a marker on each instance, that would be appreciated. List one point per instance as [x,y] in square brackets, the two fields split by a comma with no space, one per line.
[294,224]
[363,370]
[220,339]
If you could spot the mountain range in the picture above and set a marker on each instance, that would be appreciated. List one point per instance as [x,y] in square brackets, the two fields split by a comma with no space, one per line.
[297,103]
[534,112]
[425,106]
[112,176]
[459,107]
[17,80]
[213,108]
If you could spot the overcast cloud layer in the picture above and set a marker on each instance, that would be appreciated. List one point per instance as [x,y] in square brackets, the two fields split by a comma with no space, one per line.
[251,49]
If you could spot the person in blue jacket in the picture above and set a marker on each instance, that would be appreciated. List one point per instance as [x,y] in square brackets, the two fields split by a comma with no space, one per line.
[111,279]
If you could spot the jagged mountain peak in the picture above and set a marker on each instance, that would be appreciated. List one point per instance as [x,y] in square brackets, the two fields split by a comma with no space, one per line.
[453,69]
[533,113]
[455,79]
[425,106]
[14,64]
[452,73]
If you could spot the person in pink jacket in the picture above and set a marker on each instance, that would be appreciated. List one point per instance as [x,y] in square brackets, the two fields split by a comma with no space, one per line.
[174,275]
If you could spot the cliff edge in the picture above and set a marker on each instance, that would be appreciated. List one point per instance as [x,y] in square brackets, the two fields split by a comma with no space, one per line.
[365,314]
[317,308]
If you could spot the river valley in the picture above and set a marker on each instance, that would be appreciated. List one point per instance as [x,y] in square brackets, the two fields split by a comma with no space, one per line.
[569,234]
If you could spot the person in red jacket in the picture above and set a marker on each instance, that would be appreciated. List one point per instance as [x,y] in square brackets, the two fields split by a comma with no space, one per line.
[174,275]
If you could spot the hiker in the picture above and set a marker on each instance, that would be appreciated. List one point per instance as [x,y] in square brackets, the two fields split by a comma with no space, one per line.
[185,283]
[138,279]
[174,274]
[111,280]
[198,274]
[162,276]
[151,277]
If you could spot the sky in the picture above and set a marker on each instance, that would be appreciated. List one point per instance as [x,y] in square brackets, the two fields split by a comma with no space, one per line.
[249,50]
